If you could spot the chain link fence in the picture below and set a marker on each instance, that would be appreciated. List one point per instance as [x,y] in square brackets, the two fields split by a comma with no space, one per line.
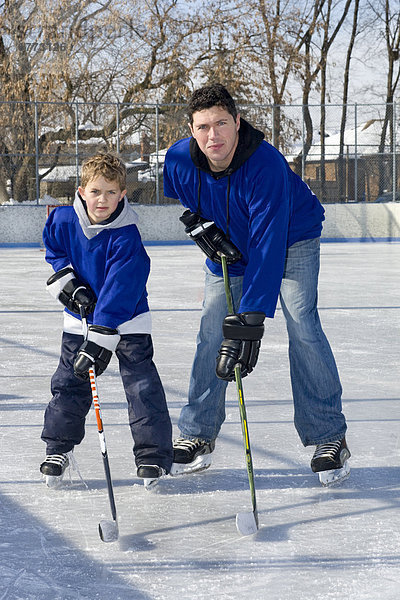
[345,153]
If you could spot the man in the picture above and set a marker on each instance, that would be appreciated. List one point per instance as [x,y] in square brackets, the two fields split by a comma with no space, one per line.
[244,201]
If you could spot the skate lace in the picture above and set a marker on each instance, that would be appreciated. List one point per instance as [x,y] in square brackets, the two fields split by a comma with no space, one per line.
[328,450]
[57,459]
[73,464]
[184,444]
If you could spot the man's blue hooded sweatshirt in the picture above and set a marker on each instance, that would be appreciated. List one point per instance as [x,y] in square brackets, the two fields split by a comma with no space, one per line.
[258,201]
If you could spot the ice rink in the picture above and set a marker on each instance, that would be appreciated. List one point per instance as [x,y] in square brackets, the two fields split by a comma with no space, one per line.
[180,542]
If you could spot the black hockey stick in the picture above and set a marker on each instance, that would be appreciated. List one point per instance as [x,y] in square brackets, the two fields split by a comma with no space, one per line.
[108,530]
[246,523]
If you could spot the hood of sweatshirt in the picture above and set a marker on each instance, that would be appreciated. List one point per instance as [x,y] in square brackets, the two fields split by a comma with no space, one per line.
[249,140]
[124,215]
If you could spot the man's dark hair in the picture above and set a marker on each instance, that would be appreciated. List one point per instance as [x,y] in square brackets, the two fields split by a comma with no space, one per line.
[209,96]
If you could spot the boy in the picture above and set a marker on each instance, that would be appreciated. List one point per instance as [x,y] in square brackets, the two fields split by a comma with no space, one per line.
[101,265]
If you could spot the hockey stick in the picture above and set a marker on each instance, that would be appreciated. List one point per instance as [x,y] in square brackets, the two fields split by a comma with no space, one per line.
[246,523]
[108,530]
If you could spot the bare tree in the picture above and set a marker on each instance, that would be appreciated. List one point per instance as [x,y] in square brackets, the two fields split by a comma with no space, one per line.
[145,53]
[282,27]
[268,38]
[38,50]
[387,19]
[83,53]
[346,79]
[165,45]
[327,17]
[325,27]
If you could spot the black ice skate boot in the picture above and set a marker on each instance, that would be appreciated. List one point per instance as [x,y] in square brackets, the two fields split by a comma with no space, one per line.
[53,468]
[151,475]
[191,455]
[330,462]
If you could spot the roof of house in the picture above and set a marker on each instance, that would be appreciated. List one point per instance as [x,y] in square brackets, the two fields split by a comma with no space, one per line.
[365,138]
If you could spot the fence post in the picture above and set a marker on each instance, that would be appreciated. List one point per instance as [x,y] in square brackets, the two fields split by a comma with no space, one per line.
[76,144]
[394,185]
[355,155]
[117,118]
[273,125]
[37,154]
[303,158]
[157,150]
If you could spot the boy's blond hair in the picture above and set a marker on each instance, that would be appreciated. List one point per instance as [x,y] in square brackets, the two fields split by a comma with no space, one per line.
[104,164]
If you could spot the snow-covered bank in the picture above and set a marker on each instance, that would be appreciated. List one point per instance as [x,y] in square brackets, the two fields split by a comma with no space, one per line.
[23,224]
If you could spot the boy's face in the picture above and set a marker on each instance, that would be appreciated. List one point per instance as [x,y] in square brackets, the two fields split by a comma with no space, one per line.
[216,132]
[101,197]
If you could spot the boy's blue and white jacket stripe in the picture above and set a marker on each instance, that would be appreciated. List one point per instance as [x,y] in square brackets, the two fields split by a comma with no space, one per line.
[110,257]
[270,208]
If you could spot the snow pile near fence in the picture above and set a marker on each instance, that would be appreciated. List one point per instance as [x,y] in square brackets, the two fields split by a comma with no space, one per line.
[22,223]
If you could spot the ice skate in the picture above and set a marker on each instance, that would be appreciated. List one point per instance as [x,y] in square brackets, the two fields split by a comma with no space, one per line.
[191,456]
[330,462]
[151,475]
[53,469]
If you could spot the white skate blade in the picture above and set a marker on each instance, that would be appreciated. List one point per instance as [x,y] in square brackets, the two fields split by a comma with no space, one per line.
[334,476]
[53,481]
[200,463]
[108,531]
[150,484]
[246,523]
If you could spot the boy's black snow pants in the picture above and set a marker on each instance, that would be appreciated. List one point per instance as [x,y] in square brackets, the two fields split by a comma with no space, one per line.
[64,419]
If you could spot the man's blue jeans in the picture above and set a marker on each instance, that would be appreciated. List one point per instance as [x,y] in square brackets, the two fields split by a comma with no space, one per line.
[315,381]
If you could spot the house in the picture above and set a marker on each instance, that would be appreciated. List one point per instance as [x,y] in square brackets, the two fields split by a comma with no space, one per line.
[360,173]
[62,182]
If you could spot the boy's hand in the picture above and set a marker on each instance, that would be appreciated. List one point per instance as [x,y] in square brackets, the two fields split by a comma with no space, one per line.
[71,292]
[241,344]
[96,351]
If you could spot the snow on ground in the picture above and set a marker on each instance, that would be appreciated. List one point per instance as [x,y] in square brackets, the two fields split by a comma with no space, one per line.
[180,541]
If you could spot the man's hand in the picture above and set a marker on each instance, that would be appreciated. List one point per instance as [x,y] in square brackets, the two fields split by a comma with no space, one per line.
[210,239]
[241,345]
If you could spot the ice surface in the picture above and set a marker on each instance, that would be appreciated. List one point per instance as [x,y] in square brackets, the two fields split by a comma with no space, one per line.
[180,541]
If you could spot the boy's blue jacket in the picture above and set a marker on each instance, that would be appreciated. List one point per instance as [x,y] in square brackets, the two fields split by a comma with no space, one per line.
[110,257]
[258,201]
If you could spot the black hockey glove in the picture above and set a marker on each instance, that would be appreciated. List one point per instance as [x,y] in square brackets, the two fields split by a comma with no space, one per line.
[71,292]
[96,351]
[241,344]
[210,239]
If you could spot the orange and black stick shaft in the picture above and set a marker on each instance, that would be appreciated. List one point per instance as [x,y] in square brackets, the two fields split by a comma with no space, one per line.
[100,429]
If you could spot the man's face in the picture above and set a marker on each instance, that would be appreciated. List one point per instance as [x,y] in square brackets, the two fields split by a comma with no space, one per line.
[217,134]
[101,197]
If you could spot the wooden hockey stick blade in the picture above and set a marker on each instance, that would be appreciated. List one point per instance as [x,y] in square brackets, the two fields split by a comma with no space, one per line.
[246,523]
